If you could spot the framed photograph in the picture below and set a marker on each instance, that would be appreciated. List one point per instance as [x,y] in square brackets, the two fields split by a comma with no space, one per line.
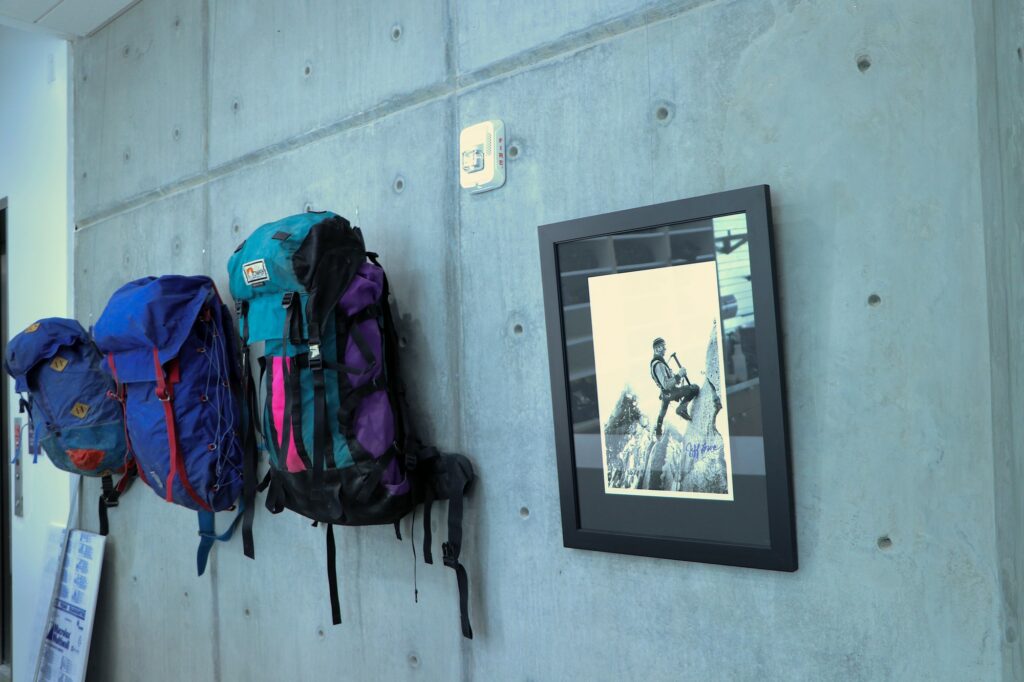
[667,382]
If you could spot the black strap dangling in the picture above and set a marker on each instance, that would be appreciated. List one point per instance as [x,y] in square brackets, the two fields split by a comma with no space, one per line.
[332,576]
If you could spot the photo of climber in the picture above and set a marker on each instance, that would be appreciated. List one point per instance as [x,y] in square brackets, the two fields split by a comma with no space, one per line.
[661,398]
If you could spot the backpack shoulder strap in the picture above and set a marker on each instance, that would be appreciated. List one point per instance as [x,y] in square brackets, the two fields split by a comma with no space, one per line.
[250,448]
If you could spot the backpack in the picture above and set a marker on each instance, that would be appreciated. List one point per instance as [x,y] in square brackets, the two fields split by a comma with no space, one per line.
[334,422]
[171,351]
[56,365]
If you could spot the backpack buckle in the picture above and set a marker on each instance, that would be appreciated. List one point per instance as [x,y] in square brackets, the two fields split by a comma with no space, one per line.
[448,553]
[286,300]
[316,362]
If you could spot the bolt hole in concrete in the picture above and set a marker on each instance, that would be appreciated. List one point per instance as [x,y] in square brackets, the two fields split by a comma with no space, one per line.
[396,32]
[126,50]
[524,512]
[863,62]
[127,154]
[236,228]
[518,329]
[663,112]
[320,633]
[414,661]
[176,134]
[1020,53]
[398,185]
[884,542]
[513,150]
[308,70]
[177,22]
[874,300]
[248,612]
[84,175]
[235,106]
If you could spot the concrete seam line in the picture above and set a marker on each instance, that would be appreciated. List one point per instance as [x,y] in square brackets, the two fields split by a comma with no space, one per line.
[452,84]
[189,182]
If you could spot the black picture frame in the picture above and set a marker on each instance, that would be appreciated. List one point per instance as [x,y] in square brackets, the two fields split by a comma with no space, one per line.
[775,547]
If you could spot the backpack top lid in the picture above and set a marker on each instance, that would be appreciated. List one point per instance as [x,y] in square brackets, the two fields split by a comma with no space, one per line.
[148,313]
[313,254]
[40,341]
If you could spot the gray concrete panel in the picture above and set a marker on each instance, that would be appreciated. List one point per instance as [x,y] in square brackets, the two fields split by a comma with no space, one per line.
[998,27]
[163,238]
[140,112]
[155,619]
[289,68]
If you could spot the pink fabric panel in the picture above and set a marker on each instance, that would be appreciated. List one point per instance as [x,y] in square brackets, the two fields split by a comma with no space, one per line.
[292,460]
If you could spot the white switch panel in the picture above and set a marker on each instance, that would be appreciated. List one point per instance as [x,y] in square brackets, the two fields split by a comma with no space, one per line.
[482,156]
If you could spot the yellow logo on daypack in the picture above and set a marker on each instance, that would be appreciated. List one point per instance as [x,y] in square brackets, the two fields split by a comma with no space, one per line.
[58,364]
[80,410]
[32,327]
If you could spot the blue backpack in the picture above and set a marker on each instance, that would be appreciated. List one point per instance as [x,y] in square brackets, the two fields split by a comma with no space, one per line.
[335,424]
[56,368]
[171,351]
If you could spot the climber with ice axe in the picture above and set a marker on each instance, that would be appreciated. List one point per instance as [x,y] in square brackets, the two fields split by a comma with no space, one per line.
[674,386]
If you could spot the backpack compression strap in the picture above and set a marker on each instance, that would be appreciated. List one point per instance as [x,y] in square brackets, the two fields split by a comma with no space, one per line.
[250,452]
[111,493]
[165,394]
[323,443]
[452,476]
[332,575]
[208,535]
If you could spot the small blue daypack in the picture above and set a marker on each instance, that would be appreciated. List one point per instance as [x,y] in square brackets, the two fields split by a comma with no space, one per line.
[171,351]
[56,368]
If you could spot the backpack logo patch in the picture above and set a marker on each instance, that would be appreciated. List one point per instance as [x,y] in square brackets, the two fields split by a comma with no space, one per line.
[58,364]
[80,410]
[255,272]
[32,327]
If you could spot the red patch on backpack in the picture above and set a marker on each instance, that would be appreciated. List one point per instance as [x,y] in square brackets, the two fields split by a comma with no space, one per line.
[86,460]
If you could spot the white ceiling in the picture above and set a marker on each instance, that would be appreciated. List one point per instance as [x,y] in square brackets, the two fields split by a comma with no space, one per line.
[68,18]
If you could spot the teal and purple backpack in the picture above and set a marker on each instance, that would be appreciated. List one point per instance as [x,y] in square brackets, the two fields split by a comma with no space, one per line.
[68,398]
[334,420]
[171,350]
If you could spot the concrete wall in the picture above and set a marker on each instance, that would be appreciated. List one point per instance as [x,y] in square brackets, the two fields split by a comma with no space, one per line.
[999,26]
[198,120]
[34,178]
